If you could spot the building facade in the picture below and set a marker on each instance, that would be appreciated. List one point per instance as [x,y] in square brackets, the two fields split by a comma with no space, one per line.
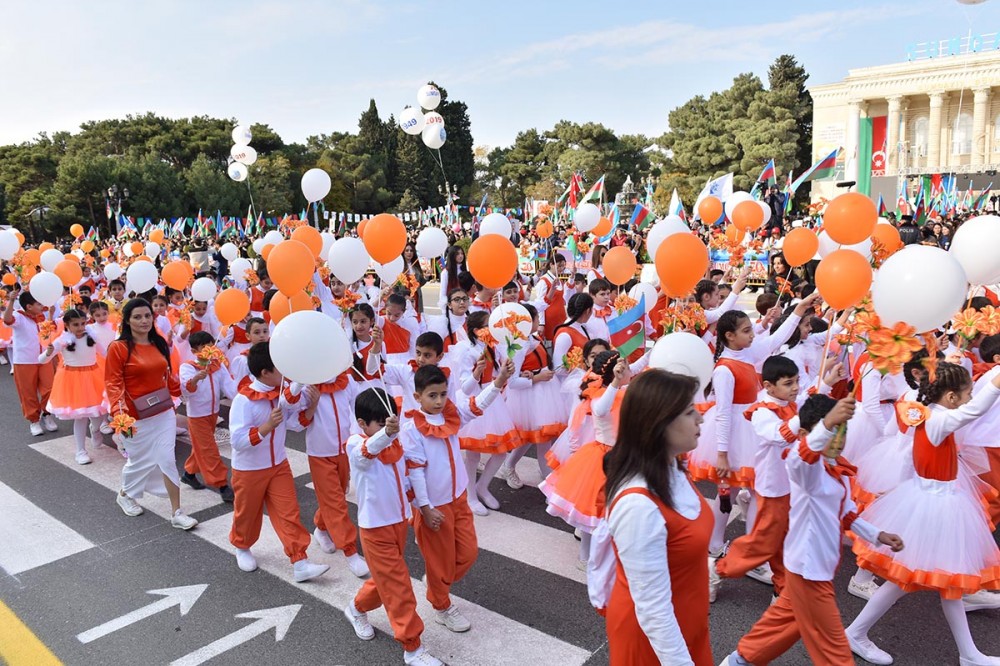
[931,115]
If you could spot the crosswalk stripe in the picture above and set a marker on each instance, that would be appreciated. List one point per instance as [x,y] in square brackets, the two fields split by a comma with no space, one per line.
[30,537]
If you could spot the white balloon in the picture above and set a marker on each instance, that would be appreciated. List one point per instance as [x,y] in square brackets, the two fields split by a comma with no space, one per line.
[204,289]
[864,248]
[428,97]
[328,240]
[390,271]
[229,251]
[8,245]
[50,259]
[237,171]
[411,120]
[142,276]
[587,217]
[734,200]
[826,244]
[258,245]
[975,246]
[660,231]
[242,136]
[47,288]
[505,309]
[431,243]
[127,250]
[243,154]
[348,259]
[920,285]
[113,271]
[767,212]
[495,223]
[152,250]
[272,237]
[239,267]
[433,118]
[310,348]
[644,289]
[434,136]
[315,184]
[684,354]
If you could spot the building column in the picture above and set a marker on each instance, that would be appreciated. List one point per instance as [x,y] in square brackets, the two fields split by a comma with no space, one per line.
[854,108]
[893,136]
[903,159]
[980,109]
[934,131]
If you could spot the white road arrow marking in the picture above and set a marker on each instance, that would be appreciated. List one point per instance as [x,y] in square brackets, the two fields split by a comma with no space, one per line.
[279,619]
[184,597]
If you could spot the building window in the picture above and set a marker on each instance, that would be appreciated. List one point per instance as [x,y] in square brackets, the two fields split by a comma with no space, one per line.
[961,136]
[920,136]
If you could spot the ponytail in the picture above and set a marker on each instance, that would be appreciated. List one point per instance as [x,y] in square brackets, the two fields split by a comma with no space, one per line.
[578,304]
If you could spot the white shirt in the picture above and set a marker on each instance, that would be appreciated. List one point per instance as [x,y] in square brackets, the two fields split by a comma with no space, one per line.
[82,356]
[984,431]
[381,488]
[24,340]
[332,423]
[605,428]
[563,343]
[251,451]
[640,536]
[203,397]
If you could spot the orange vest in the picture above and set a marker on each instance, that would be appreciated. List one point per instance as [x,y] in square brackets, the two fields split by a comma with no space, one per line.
[934,462]
[747,381]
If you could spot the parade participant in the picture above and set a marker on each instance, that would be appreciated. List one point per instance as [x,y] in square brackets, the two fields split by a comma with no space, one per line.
[429,351]
[204,382]
[484,300]
[257,292]
[984,431]
[78,387]
[32,377]
[141,386]
[600,290]
[400,329]
[580,429]
[384,515]
[660,525]
[443,526]
[454,264]
[262,476]
[596,257]
[821,511]
[257,331]
[451,325]
[551,290]
[116,300]
[412,263]
[572,334]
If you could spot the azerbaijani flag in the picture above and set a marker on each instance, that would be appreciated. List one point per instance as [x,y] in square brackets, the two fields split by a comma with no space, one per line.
[596,190]
[881,206]
[92,234]
[822,169]
[628,330]
[641,217]
[767,175]
[676,207]
[980,202]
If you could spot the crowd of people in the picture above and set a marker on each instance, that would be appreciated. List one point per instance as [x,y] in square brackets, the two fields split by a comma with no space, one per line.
[795,433]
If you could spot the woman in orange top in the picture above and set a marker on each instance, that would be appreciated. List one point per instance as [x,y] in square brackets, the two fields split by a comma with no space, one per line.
[659,524]
[137,372]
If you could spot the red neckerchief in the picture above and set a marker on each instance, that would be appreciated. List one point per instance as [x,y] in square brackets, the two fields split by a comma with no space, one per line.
[338,384]
[247,390]
[413,366]
[485,306]
[841,468]
[602,313]
[390,455]
[38,319]
[452,421]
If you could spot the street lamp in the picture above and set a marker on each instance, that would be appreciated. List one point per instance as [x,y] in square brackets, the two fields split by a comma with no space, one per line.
[37,213]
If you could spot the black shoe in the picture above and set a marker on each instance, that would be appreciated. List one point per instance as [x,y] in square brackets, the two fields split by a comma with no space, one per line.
[227,494]
[192,480]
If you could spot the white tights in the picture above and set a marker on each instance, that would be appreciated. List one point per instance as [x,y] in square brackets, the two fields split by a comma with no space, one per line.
[481,486]
[80,431]
[540,450]
[584,546]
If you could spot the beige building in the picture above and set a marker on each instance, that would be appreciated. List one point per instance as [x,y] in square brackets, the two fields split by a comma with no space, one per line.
[932,115]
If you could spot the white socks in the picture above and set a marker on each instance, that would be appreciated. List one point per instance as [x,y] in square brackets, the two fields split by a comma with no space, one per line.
[718,540]
[863,576]
[584,546]
[80,434]
[954,613]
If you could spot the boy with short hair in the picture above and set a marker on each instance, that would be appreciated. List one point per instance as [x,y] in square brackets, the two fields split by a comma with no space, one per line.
[429,350]
[600,290]
[116,299]
[261,473]
[257,331]
[33,379]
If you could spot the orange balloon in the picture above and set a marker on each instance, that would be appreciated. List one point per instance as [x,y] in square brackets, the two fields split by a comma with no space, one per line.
[143,257]
[69,272]
[799,246]
[136,248]
[709,210]
[32,256]
[290,265]
[681,260]
[888,236]
[9,279]
[492,260]
[105,253]
[748,215]
[603,227]
[619,265]
[76,230]
[20,238]
[361,228]
[850,218]
[231,306]
[71,257]
[177,274]
[544,229]
[385,238]
[733,234]
[309,237]
[45,246]
[156,235]
[281,306]
[87,246]
[843,278]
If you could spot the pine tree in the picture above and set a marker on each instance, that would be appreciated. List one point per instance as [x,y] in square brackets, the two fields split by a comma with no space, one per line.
[788,75]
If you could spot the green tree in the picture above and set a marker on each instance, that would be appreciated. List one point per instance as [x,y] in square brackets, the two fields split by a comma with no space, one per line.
[787,75]
[210,188]
[456,154]
[407,203]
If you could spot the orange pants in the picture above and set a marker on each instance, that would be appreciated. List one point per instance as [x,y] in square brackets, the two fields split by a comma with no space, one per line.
[390,584]
[991,477]
[765,543]
[204,456]
[274,488]
[449,552]
[807,609]
[331,477]
[34,384]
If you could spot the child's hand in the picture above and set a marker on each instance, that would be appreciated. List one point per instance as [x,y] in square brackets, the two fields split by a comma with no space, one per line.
[621,373]
[506,372]
[432,517]
[376,338]
[722,465]
[544,375]
[311,393]
[841,413]
[392,426]
[834,374]
[807,304]
[119,440]
[50,350]
[274,419]
[891,540]
[200,375]
[479,368]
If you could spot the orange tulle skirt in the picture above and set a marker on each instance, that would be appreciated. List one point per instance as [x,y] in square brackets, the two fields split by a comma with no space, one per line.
[77,393]
[575,491]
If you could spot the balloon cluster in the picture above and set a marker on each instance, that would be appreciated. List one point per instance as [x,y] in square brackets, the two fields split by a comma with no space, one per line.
[430,125]
[241,154]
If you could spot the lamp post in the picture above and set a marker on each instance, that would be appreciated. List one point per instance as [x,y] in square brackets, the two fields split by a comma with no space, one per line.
[116,196]
[38,214]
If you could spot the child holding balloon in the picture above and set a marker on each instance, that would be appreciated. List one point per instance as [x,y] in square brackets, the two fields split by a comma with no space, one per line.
[32,377]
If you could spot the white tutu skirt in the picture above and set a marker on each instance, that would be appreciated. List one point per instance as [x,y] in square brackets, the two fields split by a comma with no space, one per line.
[569,441]
[493,432]
[863,432]
[948,544]
[569,389]
[881,467]
[539,413]
[742,446]
[151,456]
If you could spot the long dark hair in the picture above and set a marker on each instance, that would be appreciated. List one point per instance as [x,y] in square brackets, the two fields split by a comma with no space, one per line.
[447,313]
[418,272]
[154,336]
[728,323]
[72,315]
[578,304]
[653,400]
[477,321]
[950,377]
[453,267]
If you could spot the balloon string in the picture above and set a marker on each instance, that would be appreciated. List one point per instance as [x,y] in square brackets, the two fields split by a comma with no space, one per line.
[826,351]
[252,207]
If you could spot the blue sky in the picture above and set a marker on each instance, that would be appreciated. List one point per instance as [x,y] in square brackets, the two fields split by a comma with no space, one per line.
[310,66]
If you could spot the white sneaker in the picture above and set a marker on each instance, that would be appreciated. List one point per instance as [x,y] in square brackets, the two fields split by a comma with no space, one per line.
[182,521]
[305,570]
[762,574]
[981,600]
[357,565]
[36,429]
[864,648]
[421,657]
[488,500]
[509,474]
[82,458]
[979,661]
[245,560]
[477,506]
[49,423]
[106,428]
[128,505]
[3,360]
[452,619]
[359,621]
[714,579]
[862,590]
[324,541]
[582,565]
